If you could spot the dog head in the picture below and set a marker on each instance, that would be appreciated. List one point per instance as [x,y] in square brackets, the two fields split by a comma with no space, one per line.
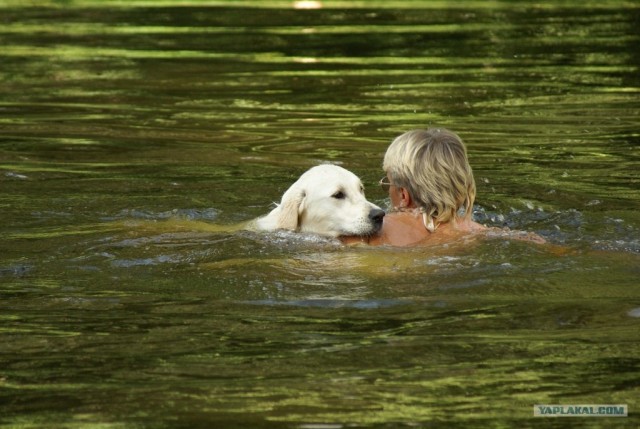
[327,200]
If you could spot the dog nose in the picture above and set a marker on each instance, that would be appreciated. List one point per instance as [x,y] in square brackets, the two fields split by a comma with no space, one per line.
[376,216]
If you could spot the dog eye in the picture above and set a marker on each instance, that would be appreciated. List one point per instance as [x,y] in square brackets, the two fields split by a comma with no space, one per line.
[339,195]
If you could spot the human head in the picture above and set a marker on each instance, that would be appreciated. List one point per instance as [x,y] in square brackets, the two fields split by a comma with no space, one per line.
[432,166]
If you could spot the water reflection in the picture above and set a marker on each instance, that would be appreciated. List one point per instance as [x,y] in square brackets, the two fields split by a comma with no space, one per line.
[135,138]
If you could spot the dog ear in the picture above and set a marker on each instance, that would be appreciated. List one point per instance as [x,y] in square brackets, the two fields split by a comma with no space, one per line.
[290,207]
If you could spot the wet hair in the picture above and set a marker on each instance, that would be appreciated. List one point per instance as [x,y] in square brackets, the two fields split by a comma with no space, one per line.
[432,165]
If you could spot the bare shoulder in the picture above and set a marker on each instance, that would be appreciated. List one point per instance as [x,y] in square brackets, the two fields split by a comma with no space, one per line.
[402,231]
[467,225]
[397,230]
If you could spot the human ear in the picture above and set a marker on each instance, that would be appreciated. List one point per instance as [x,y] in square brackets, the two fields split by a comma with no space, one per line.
[405,198]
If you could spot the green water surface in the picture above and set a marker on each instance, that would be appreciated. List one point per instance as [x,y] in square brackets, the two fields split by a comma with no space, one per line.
[135,136]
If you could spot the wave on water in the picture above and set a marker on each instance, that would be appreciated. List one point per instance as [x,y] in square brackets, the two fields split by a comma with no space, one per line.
[206,214]
[570,227]
[566,227]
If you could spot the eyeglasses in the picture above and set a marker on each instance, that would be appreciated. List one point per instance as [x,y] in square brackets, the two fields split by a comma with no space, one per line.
[385,184]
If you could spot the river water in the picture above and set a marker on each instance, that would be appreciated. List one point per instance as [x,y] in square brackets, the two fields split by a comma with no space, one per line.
[135,136]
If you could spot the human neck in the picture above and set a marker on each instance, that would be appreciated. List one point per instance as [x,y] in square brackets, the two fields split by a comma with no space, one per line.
[428,222]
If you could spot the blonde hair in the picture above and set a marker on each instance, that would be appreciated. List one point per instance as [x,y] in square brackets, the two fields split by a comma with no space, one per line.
[432,165]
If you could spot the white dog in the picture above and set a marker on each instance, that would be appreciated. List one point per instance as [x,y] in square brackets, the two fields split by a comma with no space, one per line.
[326,200]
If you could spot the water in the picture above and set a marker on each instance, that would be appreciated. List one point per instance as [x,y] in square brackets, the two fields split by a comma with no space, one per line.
[135,136]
